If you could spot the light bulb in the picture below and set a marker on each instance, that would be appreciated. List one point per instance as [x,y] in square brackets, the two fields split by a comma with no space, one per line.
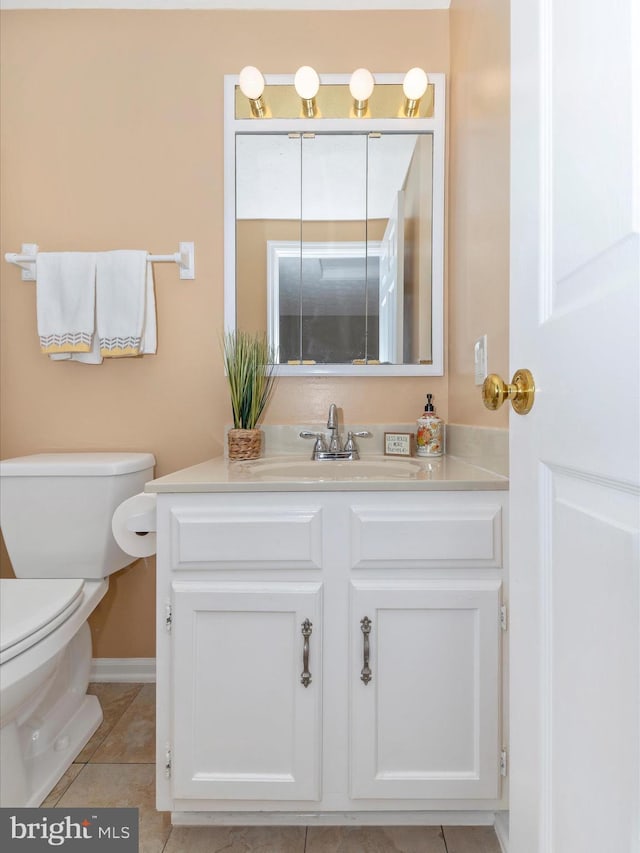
[361,84]
[251,82]
[306,82]
[415,84]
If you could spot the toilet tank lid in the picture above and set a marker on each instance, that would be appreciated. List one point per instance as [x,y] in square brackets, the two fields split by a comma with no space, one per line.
[76,464]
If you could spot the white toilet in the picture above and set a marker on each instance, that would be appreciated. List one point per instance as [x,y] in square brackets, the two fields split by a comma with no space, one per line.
[55,514]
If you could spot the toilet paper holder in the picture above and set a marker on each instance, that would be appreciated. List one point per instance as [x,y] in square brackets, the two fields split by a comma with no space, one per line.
[134,525]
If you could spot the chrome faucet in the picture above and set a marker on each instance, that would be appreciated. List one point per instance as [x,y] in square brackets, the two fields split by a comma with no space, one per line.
[332,426]
[331,449]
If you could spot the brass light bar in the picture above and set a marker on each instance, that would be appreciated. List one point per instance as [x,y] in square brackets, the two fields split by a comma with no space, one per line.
[335,101]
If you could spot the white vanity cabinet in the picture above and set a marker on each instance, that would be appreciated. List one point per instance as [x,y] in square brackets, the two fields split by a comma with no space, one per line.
[272,697]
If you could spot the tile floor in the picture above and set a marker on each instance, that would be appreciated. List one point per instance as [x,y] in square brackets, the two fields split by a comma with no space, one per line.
[116,768]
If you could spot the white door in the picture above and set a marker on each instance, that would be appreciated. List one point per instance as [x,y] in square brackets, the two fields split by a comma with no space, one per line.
[247,691]
[424,684]
[391,293]
[575,469]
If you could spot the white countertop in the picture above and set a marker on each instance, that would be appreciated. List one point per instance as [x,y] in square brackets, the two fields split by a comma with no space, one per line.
[298,474]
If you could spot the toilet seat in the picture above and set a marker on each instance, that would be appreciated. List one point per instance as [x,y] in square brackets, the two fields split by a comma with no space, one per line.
[30,609]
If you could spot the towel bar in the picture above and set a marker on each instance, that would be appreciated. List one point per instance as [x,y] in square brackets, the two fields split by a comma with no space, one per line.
[26,260]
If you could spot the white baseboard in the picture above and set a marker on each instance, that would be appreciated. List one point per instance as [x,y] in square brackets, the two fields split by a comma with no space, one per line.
[501,826]
[123,669]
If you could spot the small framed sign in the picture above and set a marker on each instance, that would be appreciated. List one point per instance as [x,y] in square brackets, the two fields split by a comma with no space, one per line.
[398,443]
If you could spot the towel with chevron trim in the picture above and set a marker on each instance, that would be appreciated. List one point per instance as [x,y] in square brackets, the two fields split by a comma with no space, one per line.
[125,304]
[65,301]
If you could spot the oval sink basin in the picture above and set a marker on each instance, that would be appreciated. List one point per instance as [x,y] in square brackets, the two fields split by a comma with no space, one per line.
[379,468]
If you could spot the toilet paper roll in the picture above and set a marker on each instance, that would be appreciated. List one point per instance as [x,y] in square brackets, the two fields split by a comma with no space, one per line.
[134,525]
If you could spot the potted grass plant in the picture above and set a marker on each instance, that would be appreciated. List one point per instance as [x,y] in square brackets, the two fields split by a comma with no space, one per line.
[248,364]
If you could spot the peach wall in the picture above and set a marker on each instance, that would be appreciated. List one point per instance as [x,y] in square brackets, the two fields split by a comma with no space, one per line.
[478,218]
[112,128]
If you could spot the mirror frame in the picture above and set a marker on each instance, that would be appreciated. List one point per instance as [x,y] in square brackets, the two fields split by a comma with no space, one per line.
[434,125]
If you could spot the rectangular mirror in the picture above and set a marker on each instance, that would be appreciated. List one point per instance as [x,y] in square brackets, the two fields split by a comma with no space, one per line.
[334,241]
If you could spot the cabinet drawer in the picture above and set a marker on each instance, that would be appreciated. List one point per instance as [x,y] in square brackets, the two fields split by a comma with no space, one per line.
[455,537]
[246,538]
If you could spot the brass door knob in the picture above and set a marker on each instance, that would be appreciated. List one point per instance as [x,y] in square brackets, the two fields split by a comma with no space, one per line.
[521,391]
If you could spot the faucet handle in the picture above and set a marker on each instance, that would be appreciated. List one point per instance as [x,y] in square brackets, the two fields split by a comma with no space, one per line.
[307,433]
[321,444]
[350,445]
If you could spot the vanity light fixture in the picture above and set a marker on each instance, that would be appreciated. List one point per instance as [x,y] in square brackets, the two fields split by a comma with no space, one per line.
[414,86]
[361,88]
[251,84]
[357,95]
[307,84]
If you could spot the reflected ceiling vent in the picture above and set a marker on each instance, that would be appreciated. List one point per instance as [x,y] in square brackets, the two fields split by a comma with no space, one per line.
[347,269]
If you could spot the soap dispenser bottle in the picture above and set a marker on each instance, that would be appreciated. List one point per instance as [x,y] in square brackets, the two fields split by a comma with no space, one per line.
[430,434]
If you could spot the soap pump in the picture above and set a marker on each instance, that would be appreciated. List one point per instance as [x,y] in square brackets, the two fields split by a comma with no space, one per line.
[430,434]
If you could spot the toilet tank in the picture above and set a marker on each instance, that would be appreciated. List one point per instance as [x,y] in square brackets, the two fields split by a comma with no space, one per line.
[56,509]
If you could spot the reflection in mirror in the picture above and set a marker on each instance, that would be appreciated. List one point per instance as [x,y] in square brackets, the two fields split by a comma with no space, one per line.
[334,245]
[334,211]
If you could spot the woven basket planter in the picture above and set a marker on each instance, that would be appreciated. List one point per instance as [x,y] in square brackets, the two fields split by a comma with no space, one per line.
[245,443]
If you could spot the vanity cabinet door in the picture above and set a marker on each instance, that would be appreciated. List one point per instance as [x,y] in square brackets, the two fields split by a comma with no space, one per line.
[425,723]
[247,669]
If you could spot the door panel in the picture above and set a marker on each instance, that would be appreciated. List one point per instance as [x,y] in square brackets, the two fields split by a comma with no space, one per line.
[590,665]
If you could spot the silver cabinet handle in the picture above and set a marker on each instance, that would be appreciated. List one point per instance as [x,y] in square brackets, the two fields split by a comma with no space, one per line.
[305,678]
[365,627]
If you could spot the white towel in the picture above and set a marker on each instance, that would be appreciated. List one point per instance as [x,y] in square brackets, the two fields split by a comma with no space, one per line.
[149,333]
[65,300]
[125,304]
[92,357]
